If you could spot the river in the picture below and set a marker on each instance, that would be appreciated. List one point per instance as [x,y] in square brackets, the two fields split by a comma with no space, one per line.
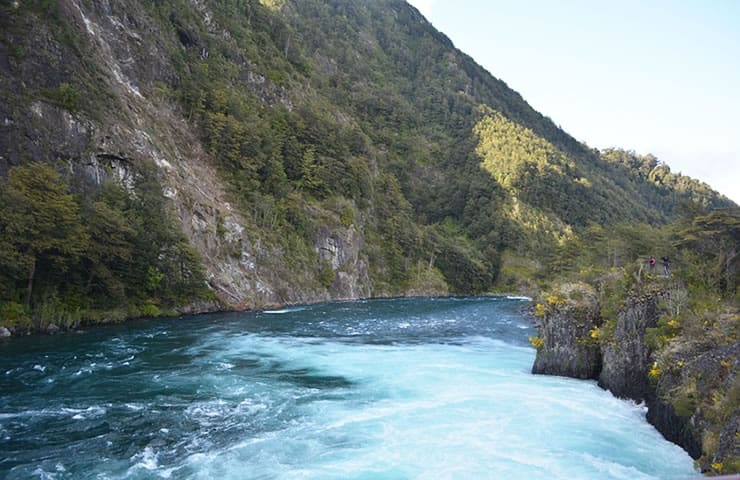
[382,389]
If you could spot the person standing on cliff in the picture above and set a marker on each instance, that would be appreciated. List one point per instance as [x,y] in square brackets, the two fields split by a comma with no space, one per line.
[666,265]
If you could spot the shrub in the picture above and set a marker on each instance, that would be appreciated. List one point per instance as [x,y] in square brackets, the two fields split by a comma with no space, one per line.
[149,310]
[61,312]
[594,333]
[13,314]
[659,336]
[555,300]
[537,342]
[326,275]
[65,95]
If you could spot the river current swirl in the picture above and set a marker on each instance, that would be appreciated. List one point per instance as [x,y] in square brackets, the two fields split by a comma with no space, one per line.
[383,389]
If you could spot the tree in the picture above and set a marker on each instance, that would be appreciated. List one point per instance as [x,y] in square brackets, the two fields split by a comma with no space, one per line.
[40,225]
[110,249]
[716,237]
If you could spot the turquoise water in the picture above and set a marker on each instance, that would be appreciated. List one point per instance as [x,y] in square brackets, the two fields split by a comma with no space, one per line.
[385,389]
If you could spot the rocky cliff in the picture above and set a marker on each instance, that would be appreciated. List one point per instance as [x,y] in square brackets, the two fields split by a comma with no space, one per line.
[567,322]
[626,356]
[696,401]
[690,386]
[123,120]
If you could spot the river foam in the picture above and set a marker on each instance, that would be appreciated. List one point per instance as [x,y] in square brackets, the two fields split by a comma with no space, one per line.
[395,389]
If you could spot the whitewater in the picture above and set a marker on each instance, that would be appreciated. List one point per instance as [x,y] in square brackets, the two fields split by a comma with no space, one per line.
[382,389]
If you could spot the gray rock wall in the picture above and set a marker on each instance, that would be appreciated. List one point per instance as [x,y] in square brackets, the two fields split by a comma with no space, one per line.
[562,353]
[626,356]
[565,328]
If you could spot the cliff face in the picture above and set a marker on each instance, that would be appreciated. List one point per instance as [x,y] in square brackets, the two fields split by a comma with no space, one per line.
[696,402]
[566,325]
[690,386]
[123,56]
[621,362]
[626,355]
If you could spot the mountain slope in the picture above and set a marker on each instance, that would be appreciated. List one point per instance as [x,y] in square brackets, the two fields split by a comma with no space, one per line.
[305,150]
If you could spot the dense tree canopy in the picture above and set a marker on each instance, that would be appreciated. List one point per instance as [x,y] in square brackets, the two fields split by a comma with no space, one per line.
[316,109]
[62,255]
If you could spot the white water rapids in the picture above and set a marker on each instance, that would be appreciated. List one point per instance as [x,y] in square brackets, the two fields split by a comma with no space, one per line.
[391,389]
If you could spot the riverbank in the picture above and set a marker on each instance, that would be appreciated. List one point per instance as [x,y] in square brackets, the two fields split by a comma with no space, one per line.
[639,348]
[118,316]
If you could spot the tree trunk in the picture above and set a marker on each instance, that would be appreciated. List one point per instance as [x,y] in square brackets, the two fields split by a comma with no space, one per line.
[29,289]
[90,278]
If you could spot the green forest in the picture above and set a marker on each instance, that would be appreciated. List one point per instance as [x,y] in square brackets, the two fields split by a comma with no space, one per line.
[70,259]
[313,110]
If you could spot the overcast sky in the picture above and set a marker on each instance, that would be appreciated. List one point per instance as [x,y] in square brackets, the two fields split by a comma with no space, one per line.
[654,76]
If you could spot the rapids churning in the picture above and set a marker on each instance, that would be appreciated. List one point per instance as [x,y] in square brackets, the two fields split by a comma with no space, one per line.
[384,389]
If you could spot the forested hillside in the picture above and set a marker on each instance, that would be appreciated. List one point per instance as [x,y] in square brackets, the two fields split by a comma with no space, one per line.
[176,156]
[180,154]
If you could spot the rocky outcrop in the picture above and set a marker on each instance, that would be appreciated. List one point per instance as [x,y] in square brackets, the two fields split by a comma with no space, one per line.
[673,427]
[573,345]
[729,442]
[200,306]
[567,319]
[626,356]
[696,402]
[52,329]
[340,249]
[690,386]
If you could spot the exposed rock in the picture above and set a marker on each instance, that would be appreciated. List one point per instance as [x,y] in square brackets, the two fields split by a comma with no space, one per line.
[340,249]
[626,357]
[572,312]
[52,329]
[331,247]
[674,427]
[201,306]
[4,332]
[729,440]
[691,398]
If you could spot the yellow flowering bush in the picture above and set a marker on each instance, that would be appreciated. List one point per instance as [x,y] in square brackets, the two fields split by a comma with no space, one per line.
[537,342]
[594,333]
[555,300]
[655,371]
[539,310]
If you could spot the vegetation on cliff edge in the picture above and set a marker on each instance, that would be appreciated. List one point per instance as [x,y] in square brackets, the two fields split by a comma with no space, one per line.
[696,342]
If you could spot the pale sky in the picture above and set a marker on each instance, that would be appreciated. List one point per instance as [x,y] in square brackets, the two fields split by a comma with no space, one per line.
[654,76]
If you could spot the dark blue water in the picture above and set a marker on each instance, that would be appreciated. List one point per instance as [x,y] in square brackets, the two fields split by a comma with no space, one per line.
[387,389]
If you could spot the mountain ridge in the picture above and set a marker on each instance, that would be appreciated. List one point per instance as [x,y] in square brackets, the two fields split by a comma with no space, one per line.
[292,128]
